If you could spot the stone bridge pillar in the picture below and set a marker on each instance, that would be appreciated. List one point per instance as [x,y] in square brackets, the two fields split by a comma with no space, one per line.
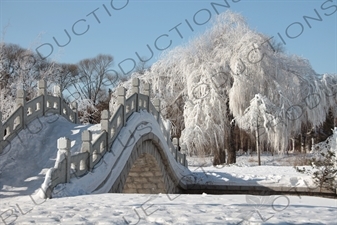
[63,145]
[121,101]
[87,147]
[135,85]
[42,86]
[21,97]
[21,101]
[147,89]
[156,104]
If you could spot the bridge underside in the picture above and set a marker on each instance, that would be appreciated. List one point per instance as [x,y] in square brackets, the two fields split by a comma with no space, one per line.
[145,177]
[146,170]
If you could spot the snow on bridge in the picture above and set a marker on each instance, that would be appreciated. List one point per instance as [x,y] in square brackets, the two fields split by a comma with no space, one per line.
[135,140]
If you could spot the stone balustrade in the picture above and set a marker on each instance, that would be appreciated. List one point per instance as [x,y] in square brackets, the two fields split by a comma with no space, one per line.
[27,111]
[93,151]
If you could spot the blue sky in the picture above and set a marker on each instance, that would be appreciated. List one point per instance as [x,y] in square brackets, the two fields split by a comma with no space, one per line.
[122,28]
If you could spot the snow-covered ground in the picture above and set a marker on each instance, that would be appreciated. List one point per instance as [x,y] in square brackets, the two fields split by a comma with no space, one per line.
[171,209]
[25,162]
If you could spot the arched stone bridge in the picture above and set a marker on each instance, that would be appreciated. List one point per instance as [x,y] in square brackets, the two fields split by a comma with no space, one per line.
[132,154]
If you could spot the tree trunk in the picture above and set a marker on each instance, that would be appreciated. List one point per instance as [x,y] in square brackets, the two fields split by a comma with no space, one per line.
[302,143]
[242,141]
[257,146]
[237,135]
[231,156]
[219,157]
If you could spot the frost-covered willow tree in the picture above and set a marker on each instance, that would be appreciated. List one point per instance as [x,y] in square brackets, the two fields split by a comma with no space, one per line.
[291,92]
[207,87]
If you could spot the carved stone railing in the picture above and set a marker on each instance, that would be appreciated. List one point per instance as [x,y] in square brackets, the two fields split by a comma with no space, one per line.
[93,151]
[26,112]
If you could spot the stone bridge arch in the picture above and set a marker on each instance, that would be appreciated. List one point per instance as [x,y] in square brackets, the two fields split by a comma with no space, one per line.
[147,170]
[103,165]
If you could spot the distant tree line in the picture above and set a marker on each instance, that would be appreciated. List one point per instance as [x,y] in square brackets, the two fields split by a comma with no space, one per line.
[89,82]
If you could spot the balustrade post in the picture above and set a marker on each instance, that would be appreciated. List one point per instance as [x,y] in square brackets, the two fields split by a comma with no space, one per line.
[183,148]
[156,104]
[105,120]
[87,147]
[135,85]
[1,134]
[175,143]
[63,145]
[121,101]
[185,161]
[121,96]
[42,86]
[74,106]
[111,105]
[20,98]
[21,101]
[147,91]
[105,115]
[147,88]
[57,93]
[135,89]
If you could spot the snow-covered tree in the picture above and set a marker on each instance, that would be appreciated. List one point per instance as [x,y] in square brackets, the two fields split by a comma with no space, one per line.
[254,118]
[19,69]
[209,83]
[324,163]
[91,85]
